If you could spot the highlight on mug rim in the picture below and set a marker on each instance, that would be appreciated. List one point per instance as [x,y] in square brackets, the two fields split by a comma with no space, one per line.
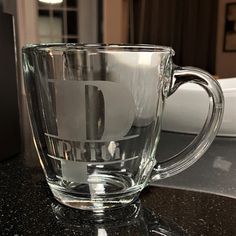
[98,46]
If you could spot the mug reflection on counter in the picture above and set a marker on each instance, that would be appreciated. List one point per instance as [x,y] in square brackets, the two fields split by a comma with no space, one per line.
[131,220]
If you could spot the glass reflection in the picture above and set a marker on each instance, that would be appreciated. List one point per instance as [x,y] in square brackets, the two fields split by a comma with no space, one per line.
[132,220]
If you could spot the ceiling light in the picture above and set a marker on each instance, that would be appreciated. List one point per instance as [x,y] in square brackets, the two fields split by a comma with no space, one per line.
[51,1]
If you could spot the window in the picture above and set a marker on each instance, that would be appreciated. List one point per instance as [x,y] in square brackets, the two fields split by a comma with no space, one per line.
[58,22]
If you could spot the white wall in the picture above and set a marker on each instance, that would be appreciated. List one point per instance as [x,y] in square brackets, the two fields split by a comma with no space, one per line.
[115,21]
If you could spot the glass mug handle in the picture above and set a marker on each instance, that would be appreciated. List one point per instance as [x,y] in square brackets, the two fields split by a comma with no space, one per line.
[202,141]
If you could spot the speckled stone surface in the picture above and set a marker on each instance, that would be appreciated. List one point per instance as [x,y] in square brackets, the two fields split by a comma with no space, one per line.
[28,208]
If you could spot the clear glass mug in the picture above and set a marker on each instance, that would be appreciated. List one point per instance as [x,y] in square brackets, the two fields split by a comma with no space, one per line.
[96,114]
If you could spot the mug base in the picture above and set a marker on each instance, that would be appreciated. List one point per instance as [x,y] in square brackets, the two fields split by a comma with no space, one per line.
[98,204]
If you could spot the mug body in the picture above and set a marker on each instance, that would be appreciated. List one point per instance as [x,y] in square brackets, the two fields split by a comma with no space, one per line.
[96,116]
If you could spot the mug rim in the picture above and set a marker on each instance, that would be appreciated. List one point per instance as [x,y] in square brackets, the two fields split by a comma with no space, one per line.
[98,46]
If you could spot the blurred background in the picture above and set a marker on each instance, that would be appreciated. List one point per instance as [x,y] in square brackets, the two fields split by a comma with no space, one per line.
[202,33]
[196,29]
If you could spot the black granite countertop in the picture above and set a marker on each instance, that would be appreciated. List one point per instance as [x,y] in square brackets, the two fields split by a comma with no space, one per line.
[27,207]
